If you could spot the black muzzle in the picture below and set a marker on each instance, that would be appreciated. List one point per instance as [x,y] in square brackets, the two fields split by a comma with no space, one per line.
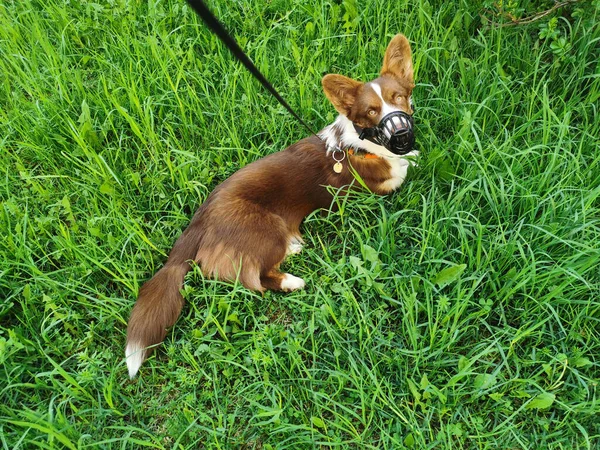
[395,132]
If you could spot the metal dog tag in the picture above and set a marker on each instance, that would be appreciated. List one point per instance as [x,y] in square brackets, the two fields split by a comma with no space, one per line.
[337,167]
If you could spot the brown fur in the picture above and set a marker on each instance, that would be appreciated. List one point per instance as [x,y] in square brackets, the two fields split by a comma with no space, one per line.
[243,229]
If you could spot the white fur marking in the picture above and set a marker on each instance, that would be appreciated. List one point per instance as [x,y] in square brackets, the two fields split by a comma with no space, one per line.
[328,134]
[386,108]
[134,356]
[294,248]
[291,283]
[295,245]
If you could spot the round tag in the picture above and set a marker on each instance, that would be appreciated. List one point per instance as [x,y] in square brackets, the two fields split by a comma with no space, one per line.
[337,167]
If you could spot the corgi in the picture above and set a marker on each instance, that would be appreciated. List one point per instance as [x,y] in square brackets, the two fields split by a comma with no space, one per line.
[250,222]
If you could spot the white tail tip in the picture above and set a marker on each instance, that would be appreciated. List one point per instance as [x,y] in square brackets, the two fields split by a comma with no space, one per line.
[134,356]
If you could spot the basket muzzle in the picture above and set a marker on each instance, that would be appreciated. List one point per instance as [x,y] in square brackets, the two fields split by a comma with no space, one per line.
[395,132]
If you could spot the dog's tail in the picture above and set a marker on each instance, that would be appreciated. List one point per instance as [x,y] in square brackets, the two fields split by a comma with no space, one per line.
[157,308]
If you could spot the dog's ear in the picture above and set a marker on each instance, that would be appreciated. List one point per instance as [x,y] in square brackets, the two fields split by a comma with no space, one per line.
[341,91]
[397,61]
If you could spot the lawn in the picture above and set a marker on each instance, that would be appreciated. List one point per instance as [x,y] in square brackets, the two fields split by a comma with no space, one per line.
[461,312]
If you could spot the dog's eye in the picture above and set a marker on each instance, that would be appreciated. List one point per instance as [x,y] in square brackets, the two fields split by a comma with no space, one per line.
[372,112]
[398,98]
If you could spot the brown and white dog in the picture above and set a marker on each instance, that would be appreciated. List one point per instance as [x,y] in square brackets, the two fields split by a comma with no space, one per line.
[251,221]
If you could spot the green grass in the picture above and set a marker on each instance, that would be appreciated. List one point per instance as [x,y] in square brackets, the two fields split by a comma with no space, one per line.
[462,311]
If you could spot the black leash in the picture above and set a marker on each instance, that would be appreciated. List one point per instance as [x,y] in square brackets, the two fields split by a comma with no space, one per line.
[211,22]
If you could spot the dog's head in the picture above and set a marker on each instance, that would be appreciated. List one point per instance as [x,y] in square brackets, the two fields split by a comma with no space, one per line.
[382,102]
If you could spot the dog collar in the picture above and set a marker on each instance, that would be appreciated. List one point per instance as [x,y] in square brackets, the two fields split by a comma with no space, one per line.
[362,154]
[339,155]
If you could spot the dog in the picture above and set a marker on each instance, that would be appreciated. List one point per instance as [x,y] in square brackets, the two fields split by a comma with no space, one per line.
[250,222]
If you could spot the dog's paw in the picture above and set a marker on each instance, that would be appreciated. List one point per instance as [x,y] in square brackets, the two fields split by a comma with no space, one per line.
[291,283]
